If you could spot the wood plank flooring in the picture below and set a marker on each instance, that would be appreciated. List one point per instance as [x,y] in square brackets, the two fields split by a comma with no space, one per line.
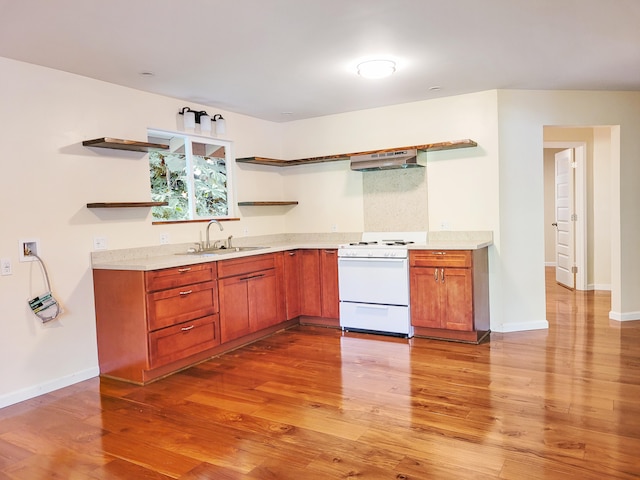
[312,403]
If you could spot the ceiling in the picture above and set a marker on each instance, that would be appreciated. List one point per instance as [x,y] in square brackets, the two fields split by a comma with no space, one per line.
[283,60]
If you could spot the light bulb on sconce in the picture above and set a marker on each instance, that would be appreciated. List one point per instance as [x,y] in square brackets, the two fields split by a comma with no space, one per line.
[200,122]
[221,123]
[205,124]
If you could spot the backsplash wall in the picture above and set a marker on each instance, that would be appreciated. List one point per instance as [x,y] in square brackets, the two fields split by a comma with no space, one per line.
[395,200]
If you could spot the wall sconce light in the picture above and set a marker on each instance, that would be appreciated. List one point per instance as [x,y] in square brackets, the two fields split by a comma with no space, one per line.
[200,122]
[221,123]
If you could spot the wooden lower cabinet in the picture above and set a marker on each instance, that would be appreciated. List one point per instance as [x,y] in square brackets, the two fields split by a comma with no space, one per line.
[250,296]
[450,294]
[329,296]
[291,281]
[309,262]
[319,299]
[150,324]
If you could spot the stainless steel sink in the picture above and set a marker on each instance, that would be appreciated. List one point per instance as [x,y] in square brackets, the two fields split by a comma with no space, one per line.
[212,252]
[239,249]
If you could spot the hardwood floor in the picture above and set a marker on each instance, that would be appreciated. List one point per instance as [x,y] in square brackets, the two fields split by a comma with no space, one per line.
[311,403]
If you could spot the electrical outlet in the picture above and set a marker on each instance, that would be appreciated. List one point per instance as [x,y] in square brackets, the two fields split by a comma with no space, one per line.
[245,231]
[5,266]
[99,243]
[445,226]
[334,227]
[164,238]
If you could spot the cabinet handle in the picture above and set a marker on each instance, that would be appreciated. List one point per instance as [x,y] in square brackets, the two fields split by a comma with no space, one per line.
[435,274]
[186,329]
[439,253]
[292,254]
[186,269]
[330,252]
[252,276]
[442,275]
[186,292]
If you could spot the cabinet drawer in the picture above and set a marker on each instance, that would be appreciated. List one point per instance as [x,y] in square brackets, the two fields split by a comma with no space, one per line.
[181,341]
[177,305]
[440,258]
[179,276]
[244,265]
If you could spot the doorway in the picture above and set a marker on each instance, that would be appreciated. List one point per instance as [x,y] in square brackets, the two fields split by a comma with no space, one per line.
[592,147]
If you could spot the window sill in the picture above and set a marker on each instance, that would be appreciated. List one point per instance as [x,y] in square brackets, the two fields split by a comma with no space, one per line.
[200,220]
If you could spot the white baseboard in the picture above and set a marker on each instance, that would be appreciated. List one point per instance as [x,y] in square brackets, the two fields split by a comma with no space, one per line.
[624,317]
[549,264]
[520,326]
[599,286]
[41,389]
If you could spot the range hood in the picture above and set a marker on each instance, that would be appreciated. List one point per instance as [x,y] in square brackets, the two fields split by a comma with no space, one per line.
[385,160]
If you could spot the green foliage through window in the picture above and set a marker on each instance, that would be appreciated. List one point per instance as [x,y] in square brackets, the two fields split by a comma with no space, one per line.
[195,186]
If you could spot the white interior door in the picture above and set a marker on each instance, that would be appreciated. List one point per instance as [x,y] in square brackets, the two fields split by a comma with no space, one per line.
[564,207]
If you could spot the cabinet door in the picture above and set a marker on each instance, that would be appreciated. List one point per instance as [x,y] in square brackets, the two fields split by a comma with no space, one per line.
[263,299]
[329,284]
[457,299]
[425,297]
[292,284]
[310,304]
[234,308]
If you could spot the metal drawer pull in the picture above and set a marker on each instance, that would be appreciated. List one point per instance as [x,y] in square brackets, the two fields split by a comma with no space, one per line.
[435,274]
[186,329]
[187,292]
[439,253]
[182,270]
[253,276]
[292,254]
[442,275]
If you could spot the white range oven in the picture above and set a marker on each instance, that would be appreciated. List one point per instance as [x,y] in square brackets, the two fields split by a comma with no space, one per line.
[373,277]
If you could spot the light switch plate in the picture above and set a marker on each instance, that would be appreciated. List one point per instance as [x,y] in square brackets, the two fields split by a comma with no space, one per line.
[5,266]
[99,243]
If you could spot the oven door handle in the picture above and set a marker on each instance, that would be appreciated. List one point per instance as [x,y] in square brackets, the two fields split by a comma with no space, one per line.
[375,307]
[371,259]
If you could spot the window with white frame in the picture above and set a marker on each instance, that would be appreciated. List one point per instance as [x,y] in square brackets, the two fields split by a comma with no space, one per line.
[192,176]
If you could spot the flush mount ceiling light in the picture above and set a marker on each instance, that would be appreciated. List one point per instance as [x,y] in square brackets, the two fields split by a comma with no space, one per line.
[376,68]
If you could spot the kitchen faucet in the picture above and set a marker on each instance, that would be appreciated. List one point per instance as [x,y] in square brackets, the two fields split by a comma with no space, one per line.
[208,244]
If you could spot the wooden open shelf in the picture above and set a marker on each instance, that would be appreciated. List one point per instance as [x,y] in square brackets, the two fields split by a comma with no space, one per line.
[118,144]
[429,147]
[265,204]
[126,204]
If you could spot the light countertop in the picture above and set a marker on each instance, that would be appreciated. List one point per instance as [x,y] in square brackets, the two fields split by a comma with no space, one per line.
[169,256]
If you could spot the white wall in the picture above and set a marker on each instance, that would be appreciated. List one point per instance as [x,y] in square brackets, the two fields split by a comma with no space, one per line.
[522,115]
[47,179]
[462,184]
[600,246]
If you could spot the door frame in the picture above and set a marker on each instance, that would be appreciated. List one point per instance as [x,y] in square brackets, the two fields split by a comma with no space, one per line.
[580,226]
